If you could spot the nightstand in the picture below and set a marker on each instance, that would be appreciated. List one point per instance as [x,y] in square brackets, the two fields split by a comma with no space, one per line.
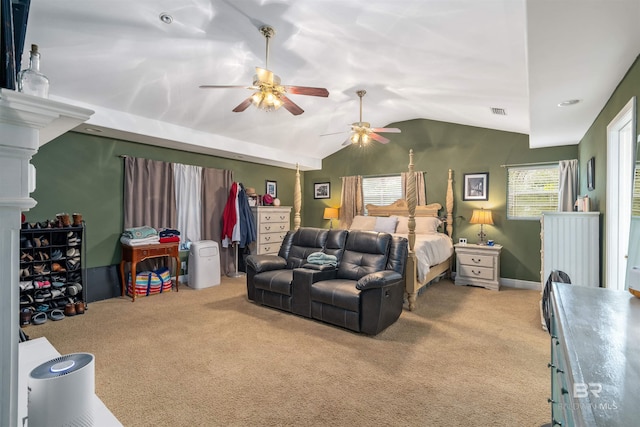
[478,265]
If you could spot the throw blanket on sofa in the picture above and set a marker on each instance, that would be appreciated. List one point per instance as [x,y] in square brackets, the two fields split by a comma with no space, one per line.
[322,258]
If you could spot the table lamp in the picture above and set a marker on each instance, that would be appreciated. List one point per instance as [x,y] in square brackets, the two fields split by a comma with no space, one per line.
[330,214]
[482,217]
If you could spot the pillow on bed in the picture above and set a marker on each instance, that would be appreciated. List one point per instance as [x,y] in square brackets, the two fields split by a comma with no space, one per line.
[361,222]
[424,225]
[427,225]
[386,224]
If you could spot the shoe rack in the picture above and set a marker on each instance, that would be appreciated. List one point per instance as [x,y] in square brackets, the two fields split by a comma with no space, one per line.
[52,280]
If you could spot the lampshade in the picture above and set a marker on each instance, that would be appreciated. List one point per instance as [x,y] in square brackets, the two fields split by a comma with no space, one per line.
[481,216]
[330,213]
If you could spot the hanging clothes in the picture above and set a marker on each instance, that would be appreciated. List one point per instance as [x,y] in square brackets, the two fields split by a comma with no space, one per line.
[248,232]
[230,216]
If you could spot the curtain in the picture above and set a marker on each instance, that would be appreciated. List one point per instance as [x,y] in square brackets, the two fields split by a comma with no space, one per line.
[149,194]
[568,185]
[351,200]
[188,184]
[216,184]
[421,190]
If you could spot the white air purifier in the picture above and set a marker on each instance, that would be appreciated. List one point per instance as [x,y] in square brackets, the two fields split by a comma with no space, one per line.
[62,392]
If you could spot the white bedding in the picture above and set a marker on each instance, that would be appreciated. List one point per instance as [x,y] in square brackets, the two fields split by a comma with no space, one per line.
[431,249]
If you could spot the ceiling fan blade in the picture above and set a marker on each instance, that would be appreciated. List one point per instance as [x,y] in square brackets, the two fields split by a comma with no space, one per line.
[386,130]
[264,75]
[291,106]
[380,139]
[225,87]
[305,90]
[333,133]
[243,105]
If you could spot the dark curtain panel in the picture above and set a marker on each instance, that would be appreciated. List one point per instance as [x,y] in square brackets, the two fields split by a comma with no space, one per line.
[149,194]
[216,184]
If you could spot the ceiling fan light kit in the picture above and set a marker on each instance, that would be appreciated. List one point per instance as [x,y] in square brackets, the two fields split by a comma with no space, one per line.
[269,93]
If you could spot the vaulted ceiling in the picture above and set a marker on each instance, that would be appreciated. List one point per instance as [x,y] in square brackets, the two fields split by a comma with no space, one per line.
[443,60]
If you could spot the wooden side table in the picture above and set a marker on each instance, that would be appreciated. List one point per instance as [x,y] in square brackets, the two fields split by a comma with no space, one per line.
[478,265]
[135,254]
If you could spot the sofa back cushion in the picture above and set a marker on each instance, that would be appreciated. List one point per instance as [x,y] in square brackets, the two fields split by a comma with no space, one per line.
[365,252]
[299,244]
[398,254]
[336,241]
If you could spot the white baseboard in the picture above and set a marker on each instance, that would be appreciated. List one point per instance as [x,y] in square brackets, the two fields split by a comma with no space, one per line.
[520,284]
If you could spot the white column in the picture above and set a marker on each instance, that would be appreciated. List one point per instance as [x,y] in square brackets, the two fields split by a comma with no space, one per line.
[26,122]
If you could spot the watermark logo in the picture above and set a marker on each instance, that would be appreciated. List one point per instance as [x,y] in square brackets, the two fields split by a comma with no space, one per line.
[582,390]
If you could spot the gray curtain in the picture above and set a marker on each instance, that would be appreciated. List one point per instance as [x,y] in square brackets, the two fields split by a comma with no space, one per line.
[216,184]
[149,194]
[421,190]
[351,200]
[568,185]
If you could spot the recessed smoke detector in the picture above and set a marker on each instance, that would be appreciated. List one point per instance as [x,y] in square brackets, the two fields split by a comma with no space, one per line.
[166,18]
[568,102]
[498,111]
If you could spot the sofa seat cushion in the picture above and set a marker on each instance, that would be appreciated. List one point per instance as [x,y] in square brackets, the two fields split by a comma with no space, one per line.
[340,293]
[277,281]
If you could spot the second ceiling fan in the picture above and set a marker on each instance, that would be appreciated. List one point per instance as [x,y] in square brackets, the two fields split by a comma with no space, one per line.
[362,132]
[269,93]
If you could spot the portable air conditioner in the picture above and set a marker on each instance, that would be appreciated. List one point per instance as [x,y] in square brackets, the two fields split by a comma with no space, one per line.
[62,392]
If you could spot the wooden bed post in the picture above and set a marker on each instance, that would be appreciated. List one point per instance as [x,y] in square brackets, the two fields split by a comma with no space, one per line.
[411,259]
[297,199]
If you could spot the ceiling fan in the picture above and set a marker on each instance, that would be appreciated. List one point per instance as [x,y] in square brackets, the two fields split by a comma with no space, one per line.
[269,93]
[362,132]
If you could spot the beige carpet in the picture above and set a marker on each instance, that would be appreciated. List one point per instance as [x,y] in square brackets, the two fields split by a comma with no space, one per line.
[466,357]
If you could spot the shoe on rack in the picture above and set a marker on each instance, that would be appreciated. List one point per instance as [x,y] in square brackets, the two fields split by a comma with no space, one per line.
[74,289]
[80,307]
[56,255]
[26,299]
[57,268]
[25,257]
[39,318]
[70,309]
[25,317]
[26,285]
[77,219]
[56,314]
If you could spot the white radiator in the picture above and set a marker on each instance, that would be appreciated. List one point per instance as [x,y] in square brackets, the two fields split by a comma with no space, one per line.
[571,243]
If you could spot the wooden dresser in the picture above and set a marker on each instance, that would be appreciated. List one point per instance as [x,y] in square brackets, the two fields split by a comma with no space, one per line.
[272,224]
[595,367]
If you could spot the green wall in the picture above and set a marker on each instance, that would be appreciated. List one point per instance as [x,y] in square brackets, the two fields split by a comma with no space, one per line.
[437,147]
[594,144]
[84,173]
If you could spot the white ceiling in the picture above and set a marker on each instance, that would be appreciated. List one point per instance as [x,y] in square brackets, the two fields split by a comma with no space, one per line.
[447,60]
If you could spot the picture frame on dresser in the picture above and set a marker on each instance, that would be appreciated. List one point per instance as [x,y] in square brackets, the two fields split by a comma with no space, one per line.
[271,188]
[476,186]
[591,172]
[322,190]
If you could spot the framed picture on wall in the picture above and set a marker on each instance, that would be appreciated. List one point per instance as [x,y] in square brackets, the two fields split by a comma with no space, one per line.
[591,174]
[476,186]
[322,190]
[271,188]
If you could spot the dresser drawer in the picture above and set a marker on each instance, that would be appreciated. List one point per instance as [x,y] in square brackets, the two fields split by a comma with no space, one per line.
[269,248]
[476,260]
[476,272]
[275,238]
[270,217]
[273,227]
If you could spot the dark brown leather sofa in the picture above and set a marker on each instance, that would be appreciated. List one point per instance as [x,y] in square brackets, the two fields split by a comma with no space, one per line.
[363,293]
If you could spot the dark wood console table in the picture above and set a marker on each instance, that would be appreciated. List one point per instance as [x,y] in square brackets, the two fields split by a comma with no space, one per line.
[135,254]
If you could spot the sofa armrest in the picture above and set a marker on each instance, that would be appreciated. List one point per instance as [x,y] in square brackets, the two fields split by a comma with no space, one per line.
[378,280]
[260,263]
[303,278]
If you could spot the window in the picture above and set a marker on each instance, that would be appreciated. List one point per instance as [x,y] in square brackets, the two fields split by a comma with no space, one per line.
[532,190]
[381,190]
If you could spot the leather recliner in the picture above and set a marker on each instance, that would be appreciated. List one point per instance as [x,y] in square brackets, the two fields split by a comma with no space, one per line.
[366,292]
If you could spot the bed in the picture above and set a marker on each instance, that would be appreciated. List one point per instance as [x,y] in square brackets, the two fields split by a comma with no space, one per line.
[430,245]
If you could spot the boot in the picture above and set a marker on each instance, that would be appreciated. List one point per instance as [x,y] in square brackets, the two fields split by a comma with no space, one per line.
[77,220]
[80,307]
[70,309]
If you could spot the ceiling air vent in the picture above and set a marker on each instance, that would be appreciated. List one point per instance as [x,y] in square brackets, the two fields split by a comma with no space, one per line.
[498,111]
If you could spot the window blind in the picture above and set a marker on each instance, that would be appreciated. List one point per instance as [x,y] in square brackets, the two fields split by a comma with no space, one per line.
[532,190]
[635,206]
[381,190]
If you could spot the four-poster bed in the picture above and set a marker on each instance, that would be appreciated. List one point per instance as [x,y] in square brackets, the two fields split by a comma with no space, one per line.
[421,270]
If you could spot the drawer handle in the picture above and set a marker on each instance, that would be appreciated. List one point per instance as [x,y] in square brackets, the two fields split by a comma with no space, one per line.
[267,228]
[550,365]
[557,423]
[476,260]
[564,391]
[282,217]
[560,371]
[477,273]
[550,400]
[267,218]
[282,227]
[267,238]
[267,248]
